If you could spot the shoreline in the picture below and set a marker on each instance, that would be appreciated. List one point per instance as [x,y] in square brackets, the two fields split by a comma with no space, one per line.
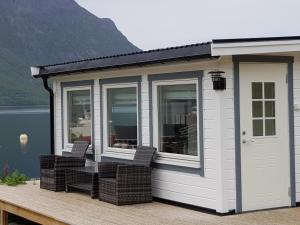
[36,109]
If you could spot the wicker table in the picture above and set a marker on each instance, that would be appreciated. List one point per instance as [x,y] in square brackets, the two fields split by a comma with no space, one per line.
[83,179]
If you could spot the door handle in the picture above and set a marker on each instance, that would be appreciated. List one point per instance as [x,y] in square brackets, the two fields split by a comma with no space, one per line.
[244,141]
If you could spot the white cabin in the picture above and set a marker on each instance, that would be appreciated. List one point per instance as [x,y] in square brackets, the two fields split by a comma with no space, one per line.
[225,141]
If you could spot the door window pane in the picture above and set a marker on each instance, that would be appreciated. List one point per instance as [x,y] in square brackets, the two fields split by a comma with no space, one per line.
[263,111]
[257,90]
[258,128]
[122,117]
[177,112]
[269,109]
[270,127]
[257,109]
[269,90]
[79,115]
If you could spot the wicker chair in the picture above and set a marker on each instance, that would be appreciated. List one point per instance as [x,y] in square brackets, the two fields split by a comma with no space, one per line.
[78,150]
[123,184]
[52,167]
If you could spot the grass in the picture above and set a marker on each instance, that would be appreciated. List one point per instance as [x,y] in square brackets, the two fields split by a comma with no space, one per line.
[14,179]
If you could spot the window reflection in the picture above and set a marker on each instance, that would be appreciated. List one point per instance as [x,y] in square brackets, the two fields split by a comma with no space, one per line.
[79,115]
[178,119]
[122,117]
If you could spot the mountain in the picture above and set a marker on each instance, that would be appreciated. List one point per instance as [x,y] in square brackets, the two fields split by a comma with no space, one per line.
[37,32]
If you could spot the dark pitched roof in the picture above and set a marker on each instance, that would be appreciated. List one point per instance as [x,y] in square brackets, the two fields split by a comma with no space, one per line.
[186,52]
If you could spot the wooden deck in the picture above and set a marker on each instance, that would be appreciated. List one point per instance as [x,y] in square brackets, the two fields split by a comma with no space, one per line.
[48,207]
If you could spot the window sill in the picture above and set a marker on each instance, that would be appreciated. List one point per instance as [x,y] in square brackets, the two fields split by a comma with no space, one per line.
[179,165]
[178,162]
[69,149]
[159,160]
[182,166]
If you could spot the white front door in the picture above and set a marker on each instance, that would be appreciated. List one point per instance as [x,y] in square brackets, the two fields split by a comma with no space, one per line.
[265,161]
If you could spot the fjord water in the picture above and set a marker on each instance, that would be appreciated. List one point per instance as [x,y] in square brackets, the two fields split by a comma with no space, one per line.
[32,121]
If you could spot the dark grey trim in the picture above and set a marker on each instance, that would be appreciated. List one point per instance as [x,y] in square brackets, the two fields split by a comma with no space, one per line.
[89,83]
[200,123]
[236,40]
[262,59]
[52,119]
[292,132]
[174,76]
[117,80]
[236,74]
[120,80]
[77,83]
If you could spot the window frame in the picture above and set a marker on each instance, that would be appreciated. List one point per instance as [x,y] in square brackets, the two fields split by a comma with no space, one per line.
[68,146]
[173,158]
[120,152]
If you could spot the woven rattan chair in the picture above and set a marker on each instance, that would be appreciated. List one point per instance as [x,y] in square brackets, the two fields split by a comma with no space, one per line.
[123,184]
[78,150]
[52,167]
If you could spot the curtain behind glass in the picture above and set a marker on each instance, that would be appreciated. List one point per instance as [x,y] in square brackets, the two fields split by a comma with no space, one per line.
[178,119]
[79,115]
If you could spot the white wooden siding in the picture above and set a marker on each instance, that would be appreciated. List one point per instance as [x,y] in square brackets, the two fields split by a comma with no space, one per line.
[145,111]
[178,186]
[58,119]
[97,122]
[228,137]
[216,190]
[191,188]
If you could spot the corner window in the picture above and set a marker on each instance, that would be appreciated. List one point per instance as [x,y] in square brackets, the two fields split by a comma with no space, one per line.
[78,115]
[121,117]
[177,119]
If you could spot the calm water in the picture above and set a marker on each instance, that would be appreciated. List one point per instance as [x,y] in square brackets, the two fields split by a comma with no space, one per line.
[33,121]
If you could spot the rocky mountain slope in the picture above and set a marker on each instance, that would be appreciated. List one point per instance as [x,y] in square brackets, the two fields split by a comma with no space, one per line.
[36,32]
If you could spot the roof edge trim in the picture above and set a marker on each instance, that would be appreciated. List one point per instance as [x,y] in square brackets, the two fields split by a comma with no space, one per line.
[235,40]
[68,72]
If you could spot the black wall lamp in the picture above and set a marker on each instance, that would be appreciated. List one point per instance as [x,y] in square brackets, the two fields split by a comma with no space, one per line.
[219,82]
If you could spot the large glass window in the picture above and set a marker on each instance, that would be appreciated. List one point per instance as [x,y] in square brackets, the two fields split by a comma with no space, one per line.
[177,119]
[79,115]
[122,117]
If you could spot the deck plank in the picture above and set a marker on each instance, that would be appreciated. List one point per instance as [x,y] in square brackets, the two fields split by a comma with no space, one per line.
[73,208]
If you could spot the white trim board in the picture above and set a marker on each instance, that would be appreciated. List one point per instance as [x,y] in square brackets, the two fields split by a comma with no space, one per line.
[241,48]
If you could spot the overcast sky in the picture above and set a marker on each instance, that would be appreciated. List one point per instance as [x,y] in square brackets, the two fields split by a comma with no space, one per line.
[153,24]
